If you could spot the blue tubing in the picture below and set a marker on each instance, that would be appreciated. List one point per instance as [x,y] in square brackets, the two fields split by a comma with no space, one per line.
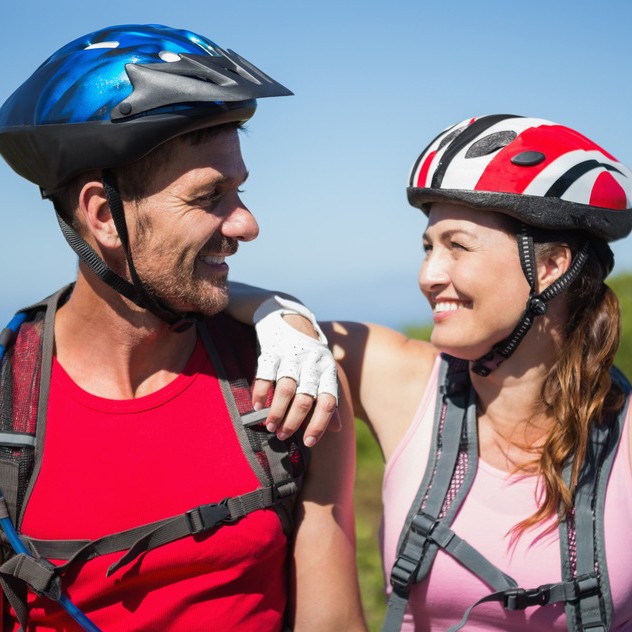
[64,601]
[14,325]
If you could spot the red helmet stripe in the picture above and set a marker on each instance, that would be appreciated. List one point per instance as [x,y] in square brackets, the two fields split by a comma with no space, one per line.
[502,175]
[424,169]
[608,192]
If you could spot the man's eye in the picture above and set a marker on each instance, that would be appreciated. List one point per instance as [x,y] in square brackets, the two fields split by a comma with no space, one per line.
[208,200]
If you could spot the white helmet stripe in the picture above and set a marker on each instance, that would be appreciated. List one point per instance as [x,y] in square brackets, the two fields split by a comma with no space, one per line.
[541,184]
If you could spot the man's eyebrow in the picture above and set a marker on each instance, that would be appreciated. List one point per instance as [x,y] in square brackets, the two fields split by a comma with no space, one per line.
[230,180]
[206,187]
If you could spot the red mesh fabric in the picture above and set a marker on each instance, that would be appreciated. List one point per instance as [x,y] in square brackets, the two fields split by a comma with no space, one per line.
[19,394]
[26,370]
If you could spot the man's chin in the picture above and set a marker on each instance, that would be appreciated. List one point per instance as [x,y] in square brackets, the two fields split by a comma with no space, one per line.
[211,303]
[205,301]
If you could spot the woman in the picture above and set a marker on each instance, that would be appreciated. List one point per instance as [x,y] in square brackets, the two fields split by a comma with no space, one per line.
[511,437]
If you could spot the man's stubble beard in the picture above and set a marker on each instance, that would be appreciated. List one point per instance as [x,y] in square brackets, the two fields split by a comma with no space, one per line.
[179,285]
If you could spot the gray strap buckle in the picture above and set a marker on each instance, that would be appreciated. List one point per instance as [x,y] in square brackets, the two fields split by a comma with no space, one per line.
[206,517]
[38,573]
[520,598]
[586,585]
[402,574]
[424,524]
[284,489]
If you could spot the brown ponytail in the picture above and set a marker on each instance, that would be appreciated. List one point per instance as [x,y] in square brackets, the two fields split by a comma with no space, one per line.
[578,390]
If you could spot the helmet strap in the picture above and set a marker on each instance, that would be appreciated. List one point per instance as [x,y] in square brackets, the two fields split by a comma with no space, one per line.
[536,303]
[86,253]
[178,322]
[135,291]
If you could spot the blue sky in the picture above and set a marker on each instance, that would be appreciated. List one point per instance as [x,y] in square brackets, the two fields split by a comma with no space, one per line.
[373,83]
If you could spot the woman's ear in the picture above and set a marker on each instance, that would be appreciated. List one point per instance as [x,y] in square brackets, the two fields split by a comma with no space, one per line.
[95,215]
[552,264]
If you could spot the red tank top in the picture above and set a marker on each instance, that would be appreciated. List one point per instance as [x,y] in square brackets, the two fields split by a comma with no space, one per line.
[110,465]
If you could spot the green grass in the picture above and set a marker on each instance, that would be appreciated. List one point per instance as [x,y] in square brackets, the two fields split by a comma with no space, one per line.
[368,507]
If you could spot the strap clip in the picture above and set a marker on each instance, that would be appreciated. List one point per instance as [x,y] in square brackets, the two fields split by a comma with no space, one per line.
[402,574]
[40,575]
[424,524]
[519,598]
[586,585]
[284,489]
[536,306]
[206,517]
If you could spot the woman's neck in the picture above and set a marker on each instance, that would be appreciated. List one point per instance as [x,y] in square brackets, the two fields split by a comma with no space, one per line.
[513,422]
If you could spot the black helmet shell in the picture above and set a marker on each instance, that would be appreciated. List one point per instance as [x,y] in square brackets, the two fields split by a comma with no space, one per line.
[110,97]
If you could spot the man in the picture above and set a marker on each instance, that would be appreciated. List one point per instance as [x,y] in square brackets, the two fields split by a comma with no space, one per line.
[156,490]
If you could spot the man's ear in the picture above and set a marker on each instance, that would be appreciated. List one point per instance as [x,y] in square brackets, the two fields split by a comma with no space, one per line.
[95,215]
[552,264]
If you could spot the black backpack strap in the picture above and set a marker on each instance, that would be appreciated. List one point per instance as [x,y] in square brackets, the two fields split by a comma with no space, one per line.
[520,598]
[584,589]
[275,464]
[19,442]
[582,538]
[50,304]
[280,465]
[449,475]
[42,576]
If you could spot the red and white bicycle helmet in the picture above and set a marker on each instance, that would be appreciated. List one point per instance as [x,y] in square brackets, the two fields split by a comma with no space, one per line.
[541,173]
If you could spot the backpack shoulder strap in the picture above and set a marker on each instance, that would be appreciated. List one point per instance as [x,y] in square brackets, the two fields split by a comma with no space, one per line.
[582,538]
[280,465]
[26,359]
[584,588]
[448,477]
[26,351]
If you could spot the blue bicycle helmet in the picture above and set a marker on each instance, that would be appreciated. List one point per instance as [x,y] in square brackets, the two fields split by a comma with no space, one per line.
[110,97]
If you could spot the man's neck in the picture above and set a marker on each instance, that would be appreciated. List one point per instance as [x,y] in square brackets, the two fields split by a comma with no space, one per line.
[114,349]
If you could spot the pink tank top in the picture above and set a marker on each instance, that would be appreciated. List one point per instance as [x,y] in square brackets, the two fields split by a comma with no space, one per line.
[496,502]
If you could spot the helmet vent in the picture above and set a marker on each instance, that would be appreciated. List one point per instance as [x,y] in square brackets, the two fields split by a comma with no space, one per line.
[102,45]
[450,137]
[168,56]
[491,143]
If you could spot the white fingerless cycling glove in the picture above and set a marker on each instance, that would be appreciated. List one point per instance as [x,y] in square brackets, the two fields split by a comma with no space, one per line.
[286,352]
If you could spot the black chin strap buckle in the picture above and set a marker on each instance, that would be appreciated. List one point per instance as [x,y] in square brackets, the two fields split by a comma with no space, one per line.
[536,306]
